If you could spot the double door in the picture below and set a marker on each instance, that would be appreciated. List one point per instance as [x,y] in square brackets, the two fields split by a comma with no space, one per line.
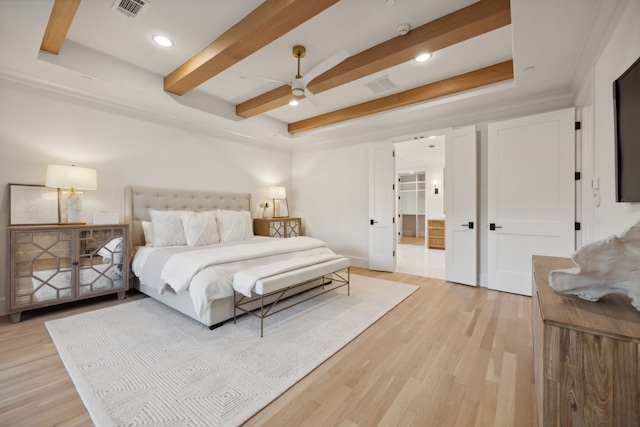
[530,208]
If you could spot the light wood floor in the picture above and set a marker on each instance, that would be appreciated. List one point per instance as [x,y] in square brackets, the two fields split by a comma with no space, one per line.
[449,355]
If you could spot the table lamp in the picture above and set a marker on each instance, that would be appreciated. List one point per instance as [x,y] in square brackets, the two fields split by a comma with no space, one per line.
[278,193]
[72,178]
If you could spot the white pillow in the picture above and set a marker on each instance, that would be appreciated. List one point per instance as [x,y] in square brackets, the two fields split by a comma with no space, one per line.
[167,228]
[200,228]
[234,225]
[147,229]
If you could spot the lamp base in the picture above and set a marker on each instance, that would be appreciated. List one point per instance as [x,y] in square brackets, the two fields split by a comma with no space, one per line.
[280,210]
[71,211]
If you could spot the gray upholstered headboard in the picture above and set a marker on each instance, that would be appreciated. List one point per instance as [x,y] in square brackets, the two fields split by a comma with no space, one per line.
[140,200]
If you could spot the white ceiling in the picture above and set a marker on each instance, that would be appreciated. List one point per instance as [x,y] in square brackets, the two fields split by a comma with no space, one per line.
[417,154]
[110,58]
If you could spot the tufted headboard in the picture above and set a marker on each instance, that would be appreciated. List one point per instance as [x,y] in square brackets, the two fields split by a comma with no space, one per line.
[140,200]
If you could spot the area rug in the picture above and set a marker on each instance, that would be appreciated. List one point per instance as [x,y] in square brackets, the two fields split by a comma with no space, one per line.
[142,363]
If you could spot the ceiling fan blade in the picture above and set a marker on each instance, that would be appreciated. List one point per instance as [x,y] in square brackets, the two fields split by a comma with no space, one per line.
[325,65]
[255,76]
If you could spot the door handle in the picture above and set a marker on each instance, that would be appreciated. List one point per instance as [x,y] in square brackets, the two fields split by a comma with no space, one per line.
[492,226]
[470,225]
[373,222]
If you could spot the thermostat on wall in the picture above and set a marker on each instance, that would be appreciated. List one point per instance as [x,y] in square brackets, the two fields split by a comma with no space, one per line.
[106,218]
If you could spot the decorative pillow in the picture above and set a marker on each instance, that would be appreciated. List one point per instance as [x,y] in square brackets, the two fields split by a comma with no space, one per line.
[200,228]
[147,229]
[234,225]
[167,228]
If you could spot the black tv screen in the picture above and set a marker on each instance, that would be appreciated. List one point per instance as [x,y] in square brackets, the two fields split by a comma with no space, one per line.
[626,93]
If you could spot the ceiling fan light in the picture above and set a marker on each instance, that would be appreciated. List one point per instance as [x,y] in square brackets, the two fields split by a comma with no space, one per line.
[422,57]
[293,102]
[297,88]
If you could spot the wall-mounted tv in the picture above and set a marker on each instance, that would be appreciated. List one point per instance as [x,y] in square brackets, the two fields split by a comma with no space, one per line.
[626,101]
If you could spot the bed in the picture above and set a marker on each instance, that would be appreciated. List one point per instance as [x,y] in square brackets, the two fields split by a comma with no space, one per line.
[201,279]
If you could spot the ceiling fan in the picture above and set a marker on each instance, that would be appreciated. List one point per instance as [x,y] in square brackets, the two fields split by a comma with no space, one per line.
[299,83]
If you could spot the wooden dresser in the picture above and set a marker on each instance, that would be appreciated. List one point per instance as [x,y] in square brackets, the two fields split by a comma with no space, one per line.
[55,264]
[586,355]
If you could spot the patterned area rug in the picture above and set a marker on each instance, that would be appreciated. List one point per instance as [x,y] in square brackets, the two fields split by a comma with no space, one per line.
[142,363]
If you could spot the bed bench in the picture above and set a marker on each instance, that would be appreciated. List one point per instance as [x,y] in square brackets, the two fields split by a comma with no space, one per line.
[331,274]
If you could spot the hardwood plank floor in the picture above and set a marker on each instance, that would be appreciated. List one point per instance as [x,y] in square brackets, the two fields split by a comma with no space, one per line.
[449,355]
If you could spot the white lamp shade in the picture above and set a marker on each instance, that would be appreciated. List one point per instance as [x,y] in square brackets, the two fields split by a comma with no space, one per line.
[277,193]
[63,176]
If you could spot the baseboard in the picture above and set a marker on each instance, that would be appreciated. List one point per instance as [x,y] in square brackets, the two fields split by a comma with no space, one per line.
[484,282]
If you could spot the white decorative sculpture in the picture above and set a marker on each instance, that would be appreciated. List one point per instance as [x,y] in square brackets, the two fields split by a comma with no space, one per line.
[611,265]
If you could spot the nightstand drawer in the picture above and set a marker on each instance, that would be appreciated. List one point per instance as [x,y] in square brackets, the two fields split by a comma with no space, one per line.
[277,227]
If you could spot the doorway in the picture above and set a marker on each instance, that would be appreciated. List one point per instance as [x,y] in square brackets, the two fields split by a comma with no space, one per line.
[420,205]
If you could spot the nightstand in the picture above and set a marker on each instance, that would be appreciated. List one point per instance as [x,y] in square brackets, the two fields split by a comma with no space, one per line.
[277,227]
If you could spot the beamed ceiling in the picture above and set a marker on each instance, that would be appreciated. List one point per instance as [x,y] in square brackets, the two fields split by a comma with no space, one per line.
[233,61]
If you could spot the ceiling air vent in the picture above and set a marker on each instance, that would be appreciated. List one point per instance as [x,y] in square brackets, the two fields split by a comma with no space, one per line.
[380,85]
[131,8]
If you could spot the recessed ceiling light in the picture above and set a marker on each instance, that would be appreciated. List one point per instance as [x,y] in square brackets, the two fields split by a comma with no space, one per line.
[293,102]
[422,57]
[162,40]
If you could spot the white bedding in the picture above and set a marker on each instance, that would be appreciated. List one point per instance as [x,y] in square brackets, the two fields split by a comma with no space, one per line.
[207,272]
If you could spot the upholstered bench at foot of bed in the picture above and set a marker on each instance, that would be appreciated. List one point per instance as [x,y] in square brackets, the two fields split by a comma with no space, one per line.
[330,274]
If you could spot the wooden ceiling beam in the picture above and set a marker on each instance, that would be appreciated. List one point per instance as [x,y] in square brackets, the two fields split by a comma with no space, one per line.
[463,24]
[264,24]
[471,21]
[275,98]
[60,19]
[471,80]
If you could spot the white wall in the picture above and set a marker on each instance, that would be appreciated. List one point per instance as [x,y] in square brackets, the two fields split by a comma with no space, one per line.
[435,202]
[620,51]
[39,128]
[331,189]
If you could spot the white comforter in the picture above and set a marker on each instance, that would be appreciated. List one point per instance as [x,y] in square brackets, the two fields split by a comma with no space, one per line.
[207,272]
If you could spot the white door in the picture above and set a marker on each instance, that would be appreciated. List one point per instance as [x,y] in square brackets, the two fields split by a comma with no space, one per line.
[461,207]
[382,207]
[530,195]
